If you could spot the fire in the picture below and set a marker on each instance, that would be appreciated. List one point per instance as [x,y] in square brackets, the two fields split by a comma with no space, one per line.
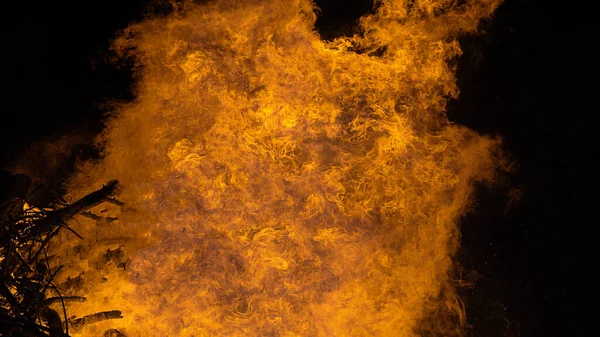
[275,184]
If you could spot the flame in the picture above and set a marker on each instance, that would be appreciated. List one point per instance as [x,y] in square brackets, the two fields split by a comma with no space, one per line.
[276,184]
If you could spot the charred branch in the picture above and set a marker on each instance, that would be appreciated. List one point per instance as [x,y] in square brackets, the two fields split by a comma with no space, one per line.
[113,333]
[87,202]
[93,318]
[98,218]
[19,326]
[65,299]
[26,278]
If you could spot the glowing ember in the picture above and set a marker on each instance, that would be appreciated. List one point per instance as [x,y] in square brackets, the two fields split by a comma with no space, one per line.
[279,185]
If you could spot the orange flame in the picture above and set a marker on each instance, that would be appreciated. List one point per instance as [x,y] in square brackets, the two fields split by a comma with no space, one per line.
[280,185]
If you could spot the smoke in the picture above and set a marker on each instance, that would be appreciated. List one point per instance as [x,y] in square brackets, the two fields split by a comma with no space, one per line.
[279,185]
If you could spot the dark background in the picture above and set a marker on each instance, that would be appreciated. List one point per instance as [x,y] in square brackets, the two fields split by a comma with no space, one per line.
[530,79]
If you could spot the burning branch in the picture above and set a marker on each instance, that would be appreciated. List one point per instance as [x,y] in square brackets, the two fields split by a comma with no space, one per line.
[93,318]
[93,199]
[25,274]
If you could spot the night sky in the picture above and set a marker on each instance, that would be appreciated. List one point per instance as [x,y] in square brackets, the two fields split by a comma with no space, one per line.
[530,79]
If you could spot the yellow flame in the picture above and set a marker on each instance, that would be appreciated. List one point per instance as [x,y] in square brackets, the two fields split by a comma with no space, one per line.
[280,185]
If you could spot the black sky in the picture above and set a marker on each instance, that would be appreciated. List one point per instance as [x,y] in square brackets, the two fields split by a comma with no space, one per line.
[530,79]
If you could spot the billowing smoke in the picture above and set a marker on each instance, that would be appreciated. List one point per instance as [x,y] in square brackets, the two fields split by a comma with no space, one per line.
[275,184]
